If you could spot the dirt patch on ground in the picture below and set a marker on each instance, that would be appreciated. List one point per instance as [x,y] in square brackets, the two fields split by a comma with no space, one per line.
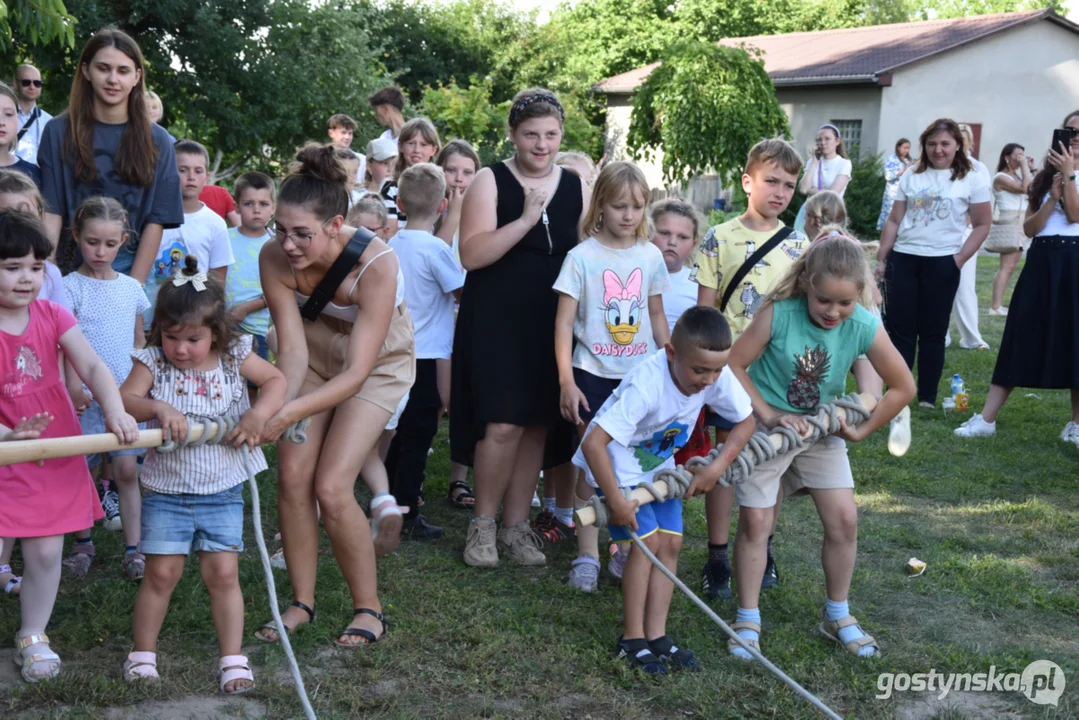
[973,706]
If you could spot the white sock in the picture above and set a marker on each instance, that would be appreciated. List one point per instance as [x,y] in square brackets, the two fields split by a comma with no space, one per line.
[835,611]
[549,504]
[564,515]
[744,615]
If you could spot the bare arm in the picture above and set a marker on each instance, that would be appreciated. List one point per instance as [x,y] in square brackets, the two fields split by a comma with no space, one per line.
[139,341]
[1071,199]
[233,218]
[747,348]
[889,233]
[291,352]
[623,512]
[706,296]
[374,298]
[571,397]
[1006,182]
[483,243]
[452,222]
[135,393]
[149,244]
[98,378]
[981,217]
[661,332]
[219,273]
[806,185]
[891,367]
[839,184]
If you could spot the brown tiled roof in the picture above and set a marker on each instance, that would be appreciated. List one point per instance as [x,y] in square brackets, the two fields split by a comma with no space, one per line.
[856,54]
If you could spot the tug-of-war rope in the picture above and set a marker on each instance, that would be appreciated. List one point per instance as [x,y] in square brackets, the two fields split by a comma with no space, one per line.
[761,448]
[199,432]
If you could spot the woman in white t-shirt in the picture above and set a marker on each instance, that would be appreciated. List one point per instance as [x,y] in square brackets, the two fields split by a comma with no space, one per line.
[828,169]
[1040,347]
[922,249]
[1010,186]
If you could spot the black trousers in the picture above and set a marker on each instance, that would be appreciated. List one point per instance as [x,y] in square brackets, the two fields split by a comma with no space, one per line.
[918,296]
[406,460]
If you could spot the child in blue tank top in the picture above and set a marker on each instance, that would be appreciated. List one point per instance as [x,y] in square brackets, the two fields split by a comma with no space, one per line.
[793,357]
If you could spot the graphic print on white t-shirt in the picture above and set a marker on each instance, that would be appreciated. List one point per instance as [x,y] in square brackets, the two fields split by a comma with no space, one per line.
[649,419]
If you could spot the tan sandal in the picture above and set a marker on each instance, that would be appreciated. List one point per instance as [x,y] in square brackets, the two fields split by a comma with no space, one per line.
[830,630]
[30,665]
[732,644]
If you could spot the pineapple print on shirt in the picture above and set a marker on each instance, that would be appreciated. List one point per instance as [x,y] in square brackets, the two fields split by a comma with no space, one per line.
[810,370]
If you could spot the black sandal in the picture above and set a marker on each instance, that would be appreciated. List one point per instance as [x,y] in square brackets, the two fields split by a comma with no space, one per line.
[272,626]
[367,635]
[464,499]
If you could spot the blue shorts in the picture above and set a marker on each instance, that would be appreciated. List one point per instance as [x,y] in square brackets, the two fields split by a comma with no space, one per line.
[714,419]
[261,349]
[93,423]
[178,524]
[596,390]
[665,517]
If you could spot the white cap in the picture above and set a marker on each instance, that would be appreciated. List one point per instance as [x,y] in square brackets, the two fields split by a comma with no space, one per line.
[381,149]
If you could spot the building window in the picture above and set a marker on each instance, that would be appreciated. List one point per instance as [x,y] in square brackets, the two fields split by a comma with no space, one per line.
[851,132]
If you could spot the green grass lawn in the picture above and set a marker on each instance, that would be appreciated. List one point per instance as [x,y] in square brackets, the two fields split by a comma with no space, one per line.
[997,520]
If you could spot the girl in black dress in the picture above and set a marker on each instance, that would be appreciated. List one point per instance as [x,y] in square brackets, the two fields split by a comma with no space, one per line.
[520,218]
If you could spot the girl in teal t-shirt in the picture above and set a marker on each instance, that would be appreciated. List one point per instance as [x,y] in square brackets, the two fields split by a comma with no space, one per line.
[794,356]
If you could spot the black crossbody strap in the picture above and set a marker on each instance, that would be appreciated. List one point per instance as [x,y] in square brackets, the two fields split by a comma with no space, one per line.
[333,278]
[782,234]
[29,121]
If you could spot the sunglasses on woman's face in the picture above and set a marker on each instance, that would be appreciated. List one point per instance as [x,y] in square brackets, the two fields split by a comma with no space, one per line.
[28,83]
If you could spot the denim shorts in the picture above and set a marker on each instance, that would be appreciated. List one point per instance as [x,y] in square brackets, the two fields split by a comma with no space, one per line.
[665,517]
[178,524]
[93,423]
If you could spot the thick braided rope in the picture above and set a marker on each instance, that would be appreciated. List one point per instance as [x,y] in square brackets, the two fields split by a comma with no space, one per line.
[296,433]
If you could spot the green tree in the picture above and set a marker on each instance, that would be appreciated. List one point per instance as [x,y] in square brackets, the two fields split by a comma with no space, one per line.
[36,22]
[249,80]
[930,9]
[704,106]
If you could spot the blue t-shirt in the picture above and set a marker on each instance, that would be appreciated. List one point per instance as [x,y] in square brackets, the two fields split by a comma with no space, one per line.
[804,365]
[27,168]
[158,203]
[243,283]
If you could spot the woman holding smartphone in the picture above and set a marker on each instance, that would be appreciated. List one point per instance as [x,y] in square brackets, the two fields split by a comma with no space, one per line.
[1040,347]
[829,169]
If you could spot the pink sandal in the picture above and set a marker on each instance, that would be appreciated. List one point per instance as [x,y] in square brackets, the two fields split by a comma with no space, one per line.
[140,665]
[235,667]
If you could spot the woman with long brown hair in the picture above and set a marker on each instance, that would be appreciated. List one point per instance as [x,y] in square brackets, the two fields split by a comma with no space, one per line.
[105,144]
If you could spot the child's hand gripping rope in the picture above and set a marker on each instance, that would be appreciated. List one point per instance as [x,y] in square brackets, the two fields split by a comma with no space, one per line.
[841,416]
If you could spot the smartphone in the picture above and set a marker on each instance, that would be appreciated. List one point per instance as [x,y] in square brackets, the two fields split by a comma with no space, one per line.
[1063,136]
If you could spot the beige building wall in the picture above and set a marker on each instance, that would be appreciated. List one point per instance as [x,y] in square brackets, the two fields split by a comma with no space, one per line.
[809,108]
[619,115]
[1019,85]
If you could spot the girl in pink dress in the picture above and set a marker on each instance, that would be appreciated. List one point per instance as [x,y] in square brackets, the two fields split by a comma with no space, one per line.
[40,503]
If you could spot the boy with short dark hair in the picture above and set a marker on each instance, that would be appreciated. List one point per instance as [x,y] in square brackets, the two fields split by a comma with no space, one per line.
[770,178]
[203,234]
[635,434]
[389,106]
[342,130]
[243,288]
[433,279]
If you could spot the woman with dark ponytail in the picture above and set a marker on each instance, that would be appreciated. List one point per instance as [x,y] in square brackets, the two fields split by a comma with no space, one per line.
[1040,347]
[349,362]
[105,144]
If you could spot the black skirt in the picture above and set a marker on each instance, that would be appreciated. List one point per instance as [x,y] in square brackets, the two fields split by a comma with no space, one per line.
[1040,348]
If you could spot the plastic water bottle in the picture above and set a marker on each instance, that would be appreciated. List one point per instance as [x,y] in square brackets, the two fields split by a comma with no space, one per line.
[959,394]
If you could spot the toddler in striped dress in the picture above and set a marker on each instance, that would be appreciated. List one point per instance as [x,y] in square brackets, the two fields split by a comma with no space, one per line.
[194,365]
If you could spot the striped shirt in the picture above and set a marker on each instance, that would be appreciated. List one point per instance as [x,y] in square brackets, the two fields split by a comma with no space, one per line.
[199,395]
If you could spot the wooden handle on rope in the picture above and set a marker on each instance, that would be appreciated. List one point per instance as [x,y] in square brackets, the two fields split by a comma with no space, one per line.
[20,451]
[587,516]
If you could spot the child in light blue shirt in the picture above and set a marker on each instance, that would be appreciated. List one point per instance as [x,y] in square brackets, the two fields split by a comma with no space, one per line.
[243,289]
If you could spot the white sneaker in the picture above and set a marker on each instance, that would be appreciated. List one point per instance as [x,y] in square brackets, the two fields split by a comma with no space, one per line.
[999,312]
[976,427]
[1070,433]
[899,433]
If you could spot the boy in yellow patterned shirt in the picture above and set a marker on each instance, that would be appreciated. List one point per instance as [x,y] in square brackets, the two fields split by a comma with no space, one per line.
[728,282]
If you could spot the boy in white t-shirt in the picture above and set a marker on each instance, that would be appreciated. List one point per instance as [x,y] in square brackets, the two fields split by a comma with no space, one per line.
[433,279]
[636,433]
[204,234]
